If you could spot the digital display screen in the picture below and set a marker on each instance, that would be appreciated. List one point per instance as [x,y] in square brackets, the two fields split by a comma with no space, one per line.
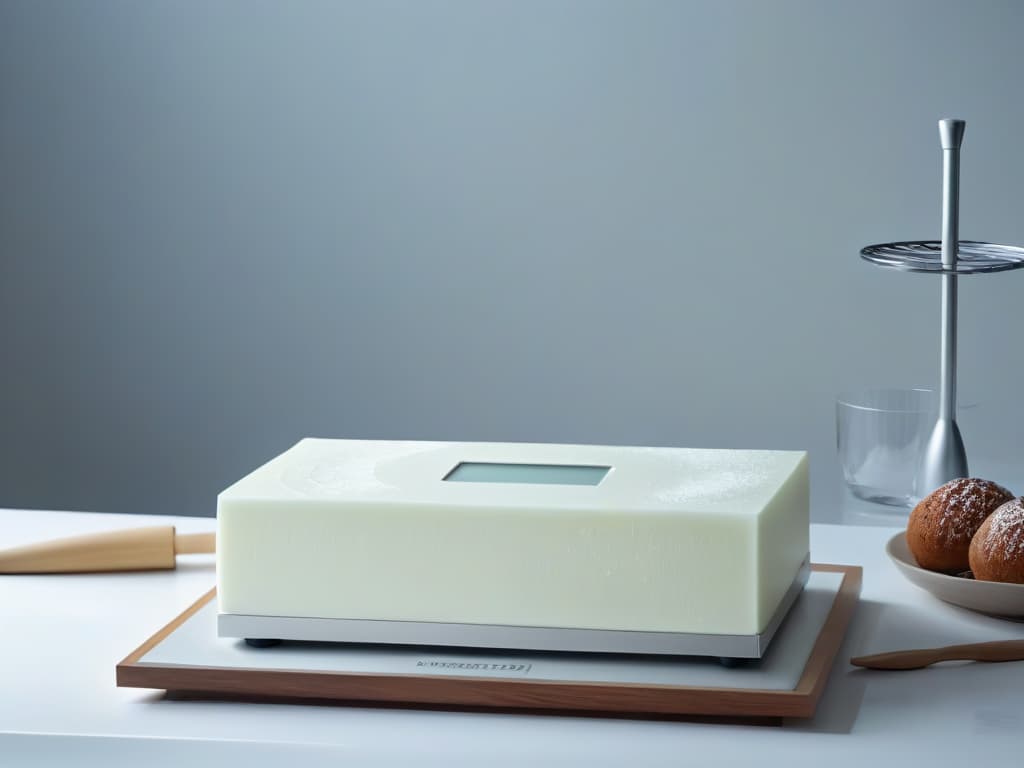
[530,474]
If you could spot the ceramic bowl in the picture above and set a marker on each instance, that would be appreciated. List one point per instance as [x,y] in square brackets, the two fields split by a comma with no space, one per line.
[990,597]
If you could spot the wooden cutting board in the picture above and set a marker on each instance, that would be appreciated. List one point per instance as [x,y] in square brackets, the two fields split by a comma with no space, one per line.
[187,658]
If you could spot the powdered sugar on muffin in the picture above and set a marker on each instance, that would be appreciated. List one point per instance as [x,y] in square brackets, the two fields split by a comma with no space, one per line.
[942,525]
[997,549]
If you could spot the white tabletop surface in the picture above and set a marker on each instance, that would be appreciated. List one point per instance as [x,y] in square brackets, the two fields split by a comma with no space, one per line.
[61,636]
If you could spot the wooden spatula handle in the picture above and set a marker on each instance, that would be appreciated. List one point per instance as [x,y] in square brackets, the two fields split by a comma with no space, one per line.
[997,650]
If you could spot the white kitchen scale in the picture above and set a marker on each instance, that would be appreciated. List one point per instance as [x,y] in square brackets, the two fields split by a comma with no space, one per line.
[531,547]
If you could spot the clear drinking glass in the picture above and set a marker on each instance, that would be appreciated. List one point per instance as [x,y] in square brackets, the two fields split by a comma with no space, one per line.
[880,434]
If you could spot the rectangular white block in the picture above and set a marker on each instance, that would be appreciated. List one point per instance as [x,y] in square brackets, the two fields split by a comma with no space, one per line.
[667,540]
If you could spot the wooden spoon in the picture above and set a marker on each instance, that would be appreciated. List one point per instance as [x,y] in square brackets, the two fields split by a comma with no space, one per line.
[997,650]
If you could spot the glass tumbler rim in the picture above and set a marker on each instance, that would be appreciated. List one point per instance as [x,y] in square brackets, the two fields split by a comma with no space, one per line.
[856,399]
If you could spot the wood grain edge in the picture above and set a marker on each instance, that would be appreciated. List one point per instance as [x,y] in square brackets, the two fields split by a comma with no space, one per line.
[519,695]
[490,693]
[133,657]
[812,682]
[182,695]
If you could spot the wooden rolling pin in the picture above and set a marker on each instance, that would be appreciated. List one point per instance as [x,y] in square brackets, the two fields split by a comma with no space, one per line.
[996,650]
[137,549]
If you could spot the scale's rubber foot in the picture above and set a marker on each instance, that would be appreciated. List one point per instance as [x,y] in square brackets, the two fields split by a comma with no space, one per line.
[261,642]
[730,662]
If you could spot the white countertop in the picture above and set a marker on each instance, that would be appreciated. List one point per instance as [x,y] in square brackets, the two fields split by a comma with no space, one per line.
[63,635]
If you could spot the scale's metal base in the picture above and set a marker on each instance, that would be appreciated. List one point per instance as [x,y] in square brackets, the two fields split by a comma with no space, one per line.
[263,630]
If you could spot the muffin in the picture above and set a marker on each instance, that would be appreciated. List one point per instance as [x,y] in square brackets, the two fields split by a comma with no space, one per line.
[997,549]
[943,523]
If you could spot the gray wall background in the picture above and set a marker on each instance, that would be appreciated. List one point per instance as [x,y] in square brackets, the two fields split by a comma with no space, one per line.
[225,226]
